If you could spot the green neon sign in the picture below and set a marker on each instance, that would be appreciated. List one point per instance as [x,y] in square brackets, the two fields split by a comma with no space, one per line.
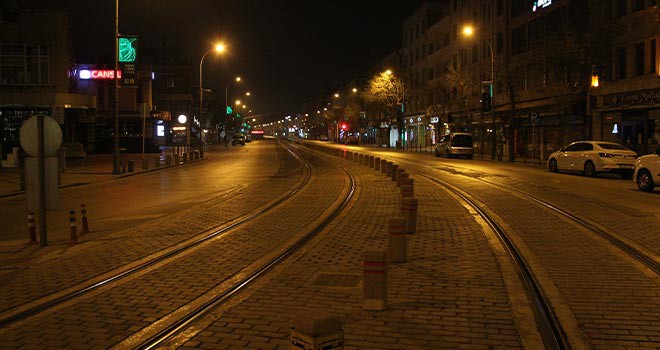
[229,110]
[127,50]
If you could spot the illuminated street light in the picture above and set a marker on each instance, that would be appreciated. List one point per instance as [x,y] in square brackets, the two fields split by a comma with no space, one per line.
[238,102]
[468,31]
[388,72]
[336,95]
[354,89]
[219,48]
[247,93]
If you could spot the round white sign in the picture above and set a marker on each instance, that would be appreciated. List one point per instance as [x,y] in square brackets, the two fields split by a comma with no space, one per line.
[182,119]
[30,141]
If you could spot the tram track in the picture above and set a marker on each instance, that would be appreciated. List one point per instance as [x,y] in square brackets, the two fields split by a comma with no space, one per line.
[635,251]
[549,326]
[43,304]
[572,319]
[180,325]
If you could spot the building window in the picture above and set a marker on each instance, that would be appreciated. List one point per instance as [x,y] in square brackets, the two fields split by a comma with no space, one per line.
[22,64]
[170,83]
[535,75]
[430,48]
[639,59]
[519,7]
[518,78]
[621,63]
[423,50]
[454,32]
[500,7]
[652,57]
[620,8]
[475,53]
[639,5]
[519,40]
[446,40]
[417,32]
[500,42]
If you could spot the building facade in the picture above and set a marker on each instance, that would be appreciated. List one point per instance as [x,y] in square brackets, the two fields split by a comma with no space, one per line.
[35,78]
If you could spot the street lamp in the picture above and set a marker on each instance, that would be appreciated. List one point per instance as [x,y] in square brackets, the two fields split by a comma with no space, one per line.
[115,102]
[219,48]
[468,31]
[237,79]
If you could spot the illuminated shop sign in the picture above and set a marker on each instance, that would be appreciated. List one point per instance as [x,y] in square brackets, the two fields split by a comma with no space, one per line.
[541,4]
[257,132]
[92,74]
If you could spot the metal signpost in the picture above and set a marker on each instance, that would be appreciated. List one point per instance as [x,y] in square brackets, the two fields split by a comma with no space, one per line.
[41,137]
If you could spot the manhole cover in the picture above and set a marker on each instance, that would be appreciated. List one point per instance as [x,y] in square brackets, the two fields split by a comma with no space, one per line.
[336,280]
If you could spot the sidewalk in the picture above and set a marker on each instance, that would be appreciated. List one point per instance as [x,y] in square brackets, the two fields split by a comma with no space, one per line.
[92,169]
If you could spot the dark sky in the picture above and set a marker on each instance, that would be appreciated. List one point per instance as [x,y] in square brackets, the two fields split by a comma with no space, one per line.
[286,51]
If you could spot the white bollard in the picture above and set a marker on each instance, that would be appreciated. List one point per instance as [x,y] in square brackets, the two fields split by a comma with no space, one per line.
[374,281]
[396,248]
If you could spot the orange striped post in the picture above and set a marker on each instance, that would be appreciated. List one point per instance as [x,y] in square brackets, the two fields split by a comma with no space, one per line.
[396,249]
[374,281]
[73,236]
[32,232]
[83,218]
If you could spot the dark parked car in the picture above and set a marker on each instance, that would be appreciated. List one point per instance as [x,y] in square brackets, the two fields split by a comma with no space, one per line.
[238,139]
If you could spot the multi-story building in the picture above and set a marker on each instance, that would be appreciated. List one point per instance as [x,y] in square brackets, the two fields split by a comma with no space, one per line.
[625,105]
[35,77]
[542,55]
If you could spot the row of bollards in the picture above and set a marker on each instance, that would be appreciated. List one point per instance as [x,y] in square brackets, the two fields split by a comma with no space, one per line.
[177,158]
[325,332]
[73,226]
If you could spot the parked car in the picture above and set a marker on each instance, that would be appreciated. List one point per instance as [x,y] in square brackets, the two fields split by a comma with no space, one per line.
[455,145]
[593,157]
[647,171]
[248,138]
[238,139]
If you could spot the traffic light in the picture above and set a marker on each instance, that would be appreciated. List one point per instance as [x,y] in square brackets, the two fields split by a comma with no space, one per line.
[344,126]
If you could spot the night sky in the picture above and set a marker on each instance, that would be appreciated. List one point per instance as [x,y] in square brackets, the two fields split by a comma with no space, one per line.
[286,51]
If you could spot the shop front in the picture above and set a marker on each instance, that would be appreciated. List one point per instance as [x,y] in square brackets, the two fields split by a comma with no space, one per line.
[629,118]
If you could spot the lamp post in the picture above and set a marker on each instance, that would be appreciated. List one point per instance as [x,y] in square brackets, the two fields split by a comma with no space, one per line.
[116,160]
[218,49]
[237,79]
[469,31]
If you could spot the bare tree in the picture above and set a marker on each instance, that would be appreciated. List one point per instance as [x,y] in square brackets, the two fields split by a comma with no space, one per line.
[388,89]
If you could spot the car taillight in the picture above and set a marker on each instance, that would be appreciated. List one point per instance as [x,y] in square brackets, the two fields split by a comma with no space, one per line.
[605,155]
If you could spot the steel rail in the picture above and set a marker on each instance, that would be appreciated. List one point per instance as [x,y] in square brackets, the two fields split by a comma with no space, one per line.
[625,247]
[183,323]
[548,324]
[107,281]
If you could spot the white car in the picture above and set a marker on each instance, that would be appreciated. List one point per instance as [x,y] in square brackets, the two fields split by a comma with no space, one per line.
[455,145]
[647,171]
[593,157]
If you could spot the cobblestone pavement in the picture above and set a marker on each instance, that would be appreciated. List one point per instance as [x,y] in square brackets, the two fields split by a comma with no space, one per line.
[450,294]
[30,276]
[597,290]
[109,316]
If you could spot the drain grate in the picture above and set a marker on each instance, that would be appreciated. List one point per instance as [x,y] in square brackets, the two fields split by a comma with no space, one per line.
[336,280]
